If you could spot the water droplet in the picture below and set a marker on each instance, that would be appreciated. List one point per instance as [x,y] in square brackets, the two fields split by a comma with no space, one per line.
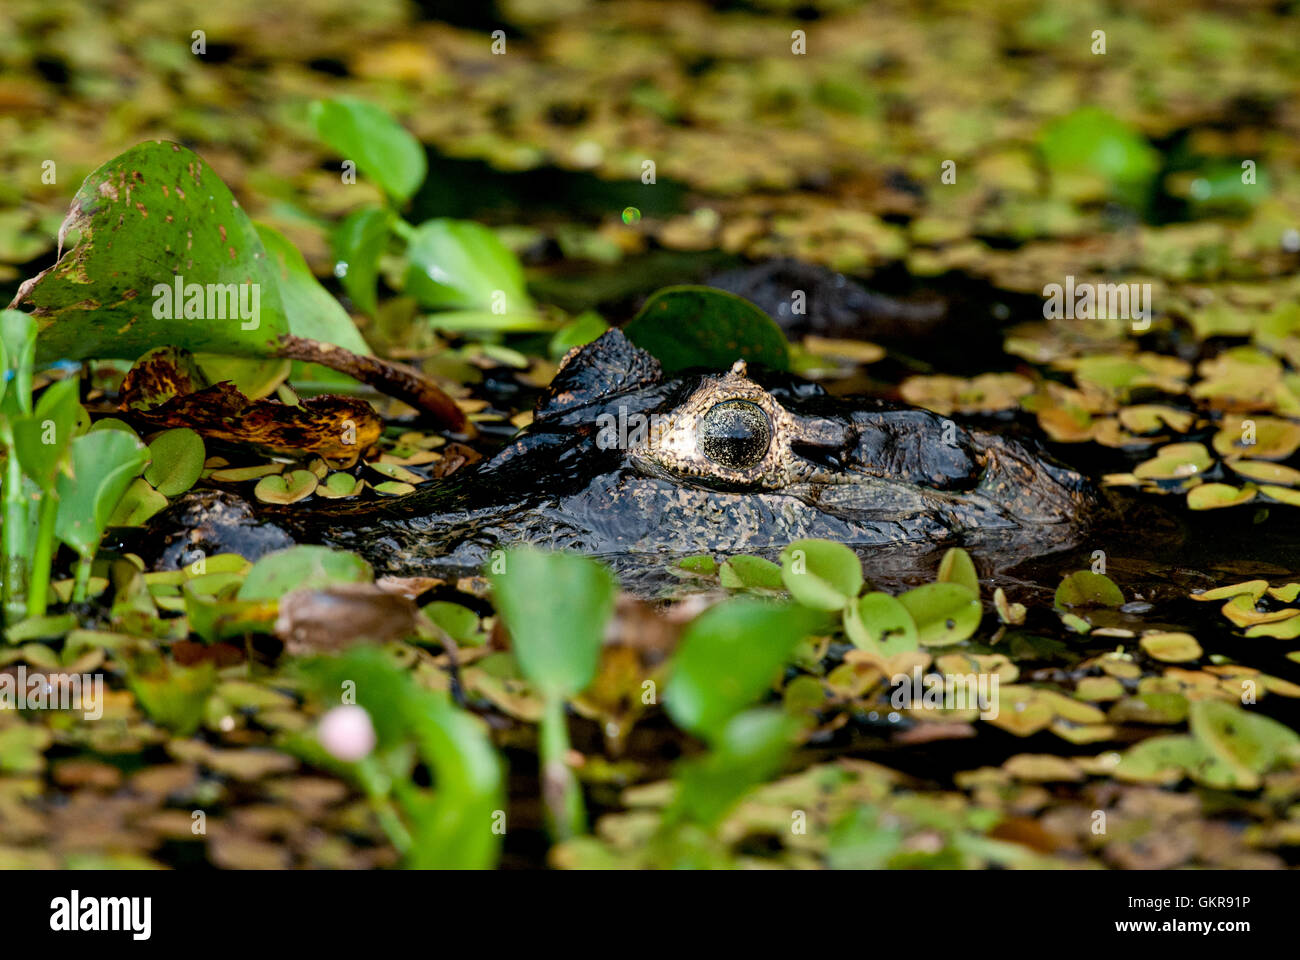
[341,269]
[631,215]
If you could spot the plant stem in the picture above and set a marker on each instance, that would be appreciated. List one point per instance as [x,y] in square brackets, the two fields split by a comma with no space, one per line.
[563,798]
[377,787]
[403,229]
[43,557]
[395,379]
[83,579]
[14,537]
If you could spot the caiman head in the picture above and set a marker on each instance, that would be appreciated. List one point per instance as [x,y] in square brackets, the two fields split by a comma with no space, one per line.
[621,460]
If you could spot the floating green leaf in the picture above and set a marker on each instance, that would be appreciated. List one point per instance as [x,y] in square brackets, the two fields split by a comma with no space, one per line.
[689,326]
[944,613]
[177,460]
[821,574]
[741,572]
[958,567]
[881,624]
[303,567]
[1087,589]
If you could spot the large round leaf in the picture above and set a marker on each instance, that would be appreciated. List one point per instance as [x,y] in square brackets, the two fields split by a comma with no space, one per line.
[148,219]
[103,464]
[555,606]
[821,574]
[729,656]
[379,146]
[305,567]
[691,326]
[458,264]
[944,613]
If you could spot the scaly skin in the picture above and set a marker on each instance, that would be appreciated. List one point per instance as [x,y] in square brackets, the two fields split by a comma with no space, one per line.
[861,472]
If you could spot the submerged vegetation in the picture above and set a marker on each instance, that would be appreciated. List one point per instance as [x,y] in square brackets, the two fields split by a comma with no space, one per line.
[350,279]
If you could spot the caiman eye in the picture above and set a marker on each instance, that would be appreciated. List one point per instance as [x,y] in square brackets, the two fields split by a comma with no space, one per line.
[735,434]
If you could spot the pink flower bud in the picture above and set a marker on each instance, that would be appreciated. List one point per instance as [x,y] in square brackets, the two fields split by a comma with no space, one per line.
[347,733]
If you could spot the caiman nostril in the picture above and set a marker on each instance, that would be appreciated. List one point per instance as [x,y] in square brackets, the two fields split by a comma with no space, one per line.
[829,458]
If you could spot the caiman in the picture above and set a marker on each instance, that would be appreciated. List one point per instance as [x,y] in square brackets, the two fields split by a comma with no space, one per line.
[627,464]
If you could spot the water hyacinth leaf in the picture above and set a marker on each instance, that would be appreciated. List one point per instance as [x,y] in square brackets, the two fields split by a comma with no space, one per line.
[578,332]
[103,464]
[470,788]
[881,624]
[310,310]
[555,606]
[461,623]
[702,564]
[286,488]
[380,147]
[252,376]
[176,461]
[1287,629]
[304,567]
[1248,743]
[1252,588]
[152,218]
[1171,647]
[461,265]
[944,613]
[1175,461]
[672,326]
[1264,472]
[1260,438]
[1087,589]
[140,502]
[1281,494]
[742,572]
[40,440]
[821,574]
[728,657]
[357,244]
[958,567]
[338,485]
[1213,496]
[1159,760]
[438,823]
